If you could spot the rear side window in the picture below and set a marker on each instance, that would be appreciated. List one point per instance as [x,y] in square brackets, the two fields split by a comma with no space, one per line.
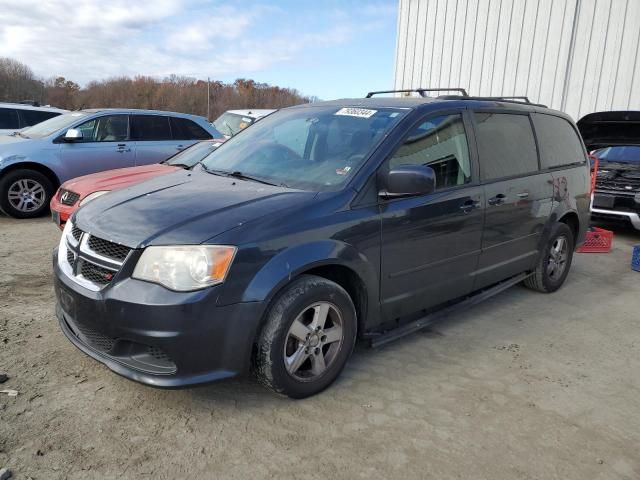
[9,118]
[150,127]
[185,129]
[439,143]
[33,117]
[558,140]
[506,145]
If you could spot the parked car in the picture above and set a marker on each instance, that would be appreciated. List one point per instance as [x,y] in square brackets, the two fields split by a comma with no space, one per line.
[15,116]
[35,161]
[323,223]
[233,121]
[614,138]
[74,193]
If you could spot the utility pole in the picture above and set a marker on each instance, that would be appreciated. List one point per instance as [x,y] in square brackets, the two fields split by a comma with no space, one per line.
[208,101]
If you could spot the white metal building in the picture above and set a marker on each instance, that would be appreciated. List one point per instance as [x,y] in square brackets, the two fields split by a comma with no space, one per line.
[579,56]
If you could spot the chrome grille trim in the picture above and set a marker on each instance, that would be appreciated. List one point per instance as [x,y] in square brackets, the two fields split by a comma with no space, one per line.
[84,257]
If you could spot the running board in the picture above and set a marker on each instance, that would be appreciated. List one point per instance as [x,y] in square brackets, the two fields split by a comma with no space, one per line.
[427,320]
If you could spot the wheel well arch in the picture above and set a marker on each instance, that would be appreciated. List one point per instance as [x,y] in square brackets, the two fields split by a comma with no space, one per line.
[572,220]
[344,276]
[351,282]
[38,167]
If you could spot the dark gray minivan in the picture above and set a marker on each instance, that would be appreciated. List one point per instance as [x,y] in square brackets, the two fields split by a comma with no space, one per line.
[323,223]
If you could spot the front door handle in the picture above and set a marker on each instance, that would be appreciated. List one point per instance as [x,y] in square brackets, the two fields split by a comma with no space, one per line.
[469,205]
[523,195]
[497,200]
[122,148]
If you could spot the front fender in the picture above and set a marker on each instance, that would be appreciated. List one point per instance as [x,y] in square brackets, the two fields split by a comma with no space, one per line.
[289,263]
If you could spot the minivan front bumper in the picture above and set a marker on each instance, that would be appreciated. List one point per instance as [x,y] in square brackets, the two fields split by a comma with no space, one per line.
[154,336]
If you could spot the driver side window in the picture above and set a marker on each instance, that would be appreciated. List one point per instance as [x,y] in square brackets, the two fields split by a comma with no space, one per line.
[111,128]
[439,143]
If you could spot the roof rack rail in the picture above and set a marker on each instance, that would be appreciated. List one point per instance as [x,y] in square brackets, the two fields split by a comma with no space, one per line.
[421,91]
[516,98]
[520,100]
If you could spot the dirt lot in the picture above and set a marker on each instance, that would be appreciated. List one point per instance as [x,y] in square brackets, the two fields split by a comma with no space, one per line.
[525,386]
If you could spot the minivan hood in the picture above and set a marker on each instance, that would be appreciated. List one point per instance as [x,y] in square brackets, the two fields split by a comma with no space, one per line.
[8,139]
[182,208]
[607,129]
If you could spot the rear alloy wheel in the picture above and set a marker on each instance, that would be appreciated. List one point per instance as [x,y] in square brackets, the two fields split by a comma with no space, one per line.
[554,262]
[307,339]
[25,193]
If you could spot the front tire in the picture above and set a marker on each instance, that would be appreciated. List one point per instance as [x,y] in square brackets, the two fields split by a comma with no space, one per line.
[307,339]
[554,262]
[25,193]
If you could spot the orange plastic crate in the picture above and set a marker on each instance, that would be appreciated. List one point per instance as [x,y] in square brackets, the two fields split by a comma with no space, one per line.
[598,240]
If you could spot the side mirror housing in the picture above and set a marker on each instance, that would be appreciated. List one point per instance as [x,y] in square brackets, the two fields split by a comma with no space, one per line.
[408,181]
[73,135]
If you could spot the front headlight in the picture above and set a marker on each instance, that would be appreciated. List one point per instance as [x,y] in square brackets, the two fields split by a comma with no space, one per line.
[93,196]
[185,268]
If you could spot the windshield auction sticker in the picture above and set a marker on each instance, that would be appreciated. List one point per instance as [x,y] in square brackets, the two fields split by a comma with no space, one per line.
[356,112]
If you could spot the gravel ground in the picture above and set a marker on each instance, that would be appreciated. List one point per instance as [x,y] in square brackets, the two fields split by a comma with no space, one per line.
[524,386]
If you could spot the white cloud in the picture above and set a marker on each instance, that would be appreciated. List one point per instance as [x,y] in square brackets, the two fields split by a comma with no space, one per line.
[85,40]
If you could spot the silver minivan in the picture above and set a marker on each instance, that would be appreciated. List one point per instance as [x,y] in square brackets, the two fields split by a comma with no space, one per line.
[36,160]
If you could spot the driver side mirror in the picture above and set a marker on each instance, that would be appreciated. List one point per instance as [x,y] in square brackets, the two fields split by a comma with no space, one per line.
[408,181]
[73,135]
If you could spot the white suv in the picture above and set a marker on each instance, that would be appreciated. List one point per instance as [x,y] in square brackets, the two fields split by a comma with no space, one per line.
[15,116]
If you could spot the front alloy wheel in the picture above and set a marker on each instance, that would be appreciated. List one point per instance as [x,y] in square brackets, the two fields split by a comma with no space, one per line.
[308,336]
[26,195]
[313,341]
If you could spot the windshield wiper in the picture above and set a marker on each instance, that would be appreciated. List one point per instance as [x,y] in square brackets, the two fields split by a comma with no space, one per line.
[231,134]
[241,176]
[181,165]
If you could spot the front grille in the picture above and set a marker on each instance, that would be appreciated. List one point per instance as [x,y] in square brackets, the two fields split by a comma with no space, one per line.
[68,197]
[95,339]
[76,233]
[96,274]
[71,258]
[93,261]
[620,181]
[159,354]
[108,249]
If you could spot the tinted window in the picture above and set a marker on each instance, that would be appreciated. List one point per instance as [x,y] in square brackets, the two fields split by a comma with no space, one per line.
[185,129]
[506,145]
[9,118]
[440,143]
[150,127]
[559,142]
[111,128]
[32,117]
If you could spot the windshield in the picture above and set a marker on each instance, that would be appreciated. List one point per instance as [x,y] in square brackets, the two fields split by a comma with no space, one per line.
[192,155]
[311,148]
[231,123]
[628,154]
[52,125]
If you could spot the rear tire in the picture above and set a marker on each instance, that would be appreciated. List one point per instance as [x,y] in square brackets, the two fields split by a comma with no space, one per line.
[25,193]
[308,337]
[554,262]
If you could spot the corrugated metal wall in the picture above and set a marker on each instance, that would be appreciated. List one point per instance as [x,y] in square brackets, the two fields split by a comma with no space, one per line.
[578,56]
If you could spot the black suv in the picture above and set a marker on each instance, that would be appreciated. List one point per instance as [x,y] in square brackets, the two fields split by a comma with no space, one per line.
[614,138]
[323,223]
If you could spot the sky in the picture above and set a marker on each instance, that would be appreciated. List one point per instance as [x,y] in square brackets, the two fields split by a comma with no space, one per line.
[325,48]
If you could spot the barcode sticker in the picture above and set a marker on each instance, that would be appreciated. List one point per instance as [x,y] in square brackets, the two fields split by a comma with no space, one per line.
[356,112]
